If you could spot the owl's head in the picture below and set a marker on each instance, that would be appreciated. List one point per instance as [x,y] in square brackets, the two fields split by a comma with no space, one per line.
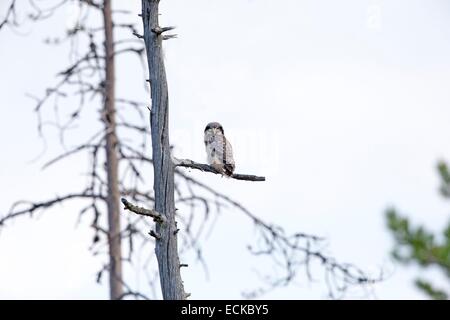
[214,128]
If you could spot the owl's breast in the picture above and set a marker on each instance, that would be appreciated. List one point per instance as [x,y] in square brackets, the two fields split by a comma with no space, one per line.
[211,139]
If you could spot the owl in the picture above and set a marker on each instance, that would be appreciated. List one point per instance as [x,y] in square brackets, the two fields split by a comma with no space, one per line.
[218,149]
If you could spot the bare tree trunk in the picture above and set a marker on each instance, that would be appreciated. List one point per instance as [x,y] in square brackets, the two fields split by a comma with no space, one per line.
[166,244]
[115,254]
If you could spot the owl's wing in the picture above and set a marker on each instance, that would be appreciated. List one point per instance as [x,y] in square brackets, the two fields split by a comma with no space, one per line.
[229,160]
[223,150]
[228,153]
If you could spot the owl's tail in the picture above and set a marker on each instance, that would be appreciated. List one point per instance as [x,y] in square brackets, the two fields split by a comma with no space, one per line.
[228,169]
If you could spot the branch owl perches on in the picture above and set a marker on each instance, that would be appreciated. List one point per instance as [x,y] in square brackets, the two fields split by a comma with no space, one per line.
[219,154]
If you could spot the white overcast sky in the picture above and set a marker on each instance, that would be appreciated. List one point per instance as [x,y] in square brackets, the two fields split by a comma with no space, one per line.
[342,105]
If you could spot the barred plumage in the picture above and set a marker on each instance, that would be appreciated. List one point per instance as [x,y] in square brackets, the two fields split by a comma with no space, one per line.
[218,149]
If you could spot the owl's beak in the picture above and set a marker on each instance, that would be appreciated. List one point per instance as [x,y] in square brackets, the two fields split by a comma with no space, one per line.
[214,130]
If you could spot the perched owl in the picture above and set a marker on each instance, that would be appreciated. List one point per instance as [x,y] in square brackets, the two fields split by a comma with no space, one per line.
[218,149]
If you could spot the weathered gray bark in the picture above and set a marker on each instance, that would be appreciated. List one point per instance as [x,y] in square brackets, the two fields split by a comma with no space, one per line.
[109,112]
[166,246]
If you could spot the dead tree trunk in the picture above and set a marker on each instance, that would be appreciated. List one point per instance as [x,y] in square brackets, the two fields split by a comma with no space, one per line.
[109,113]
[166,241]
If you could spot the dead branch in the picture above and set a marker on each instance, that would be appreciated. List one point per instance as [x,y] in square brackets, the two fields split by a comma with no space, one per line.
[143,211]
[207,168]
[10,14]
[46,204]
